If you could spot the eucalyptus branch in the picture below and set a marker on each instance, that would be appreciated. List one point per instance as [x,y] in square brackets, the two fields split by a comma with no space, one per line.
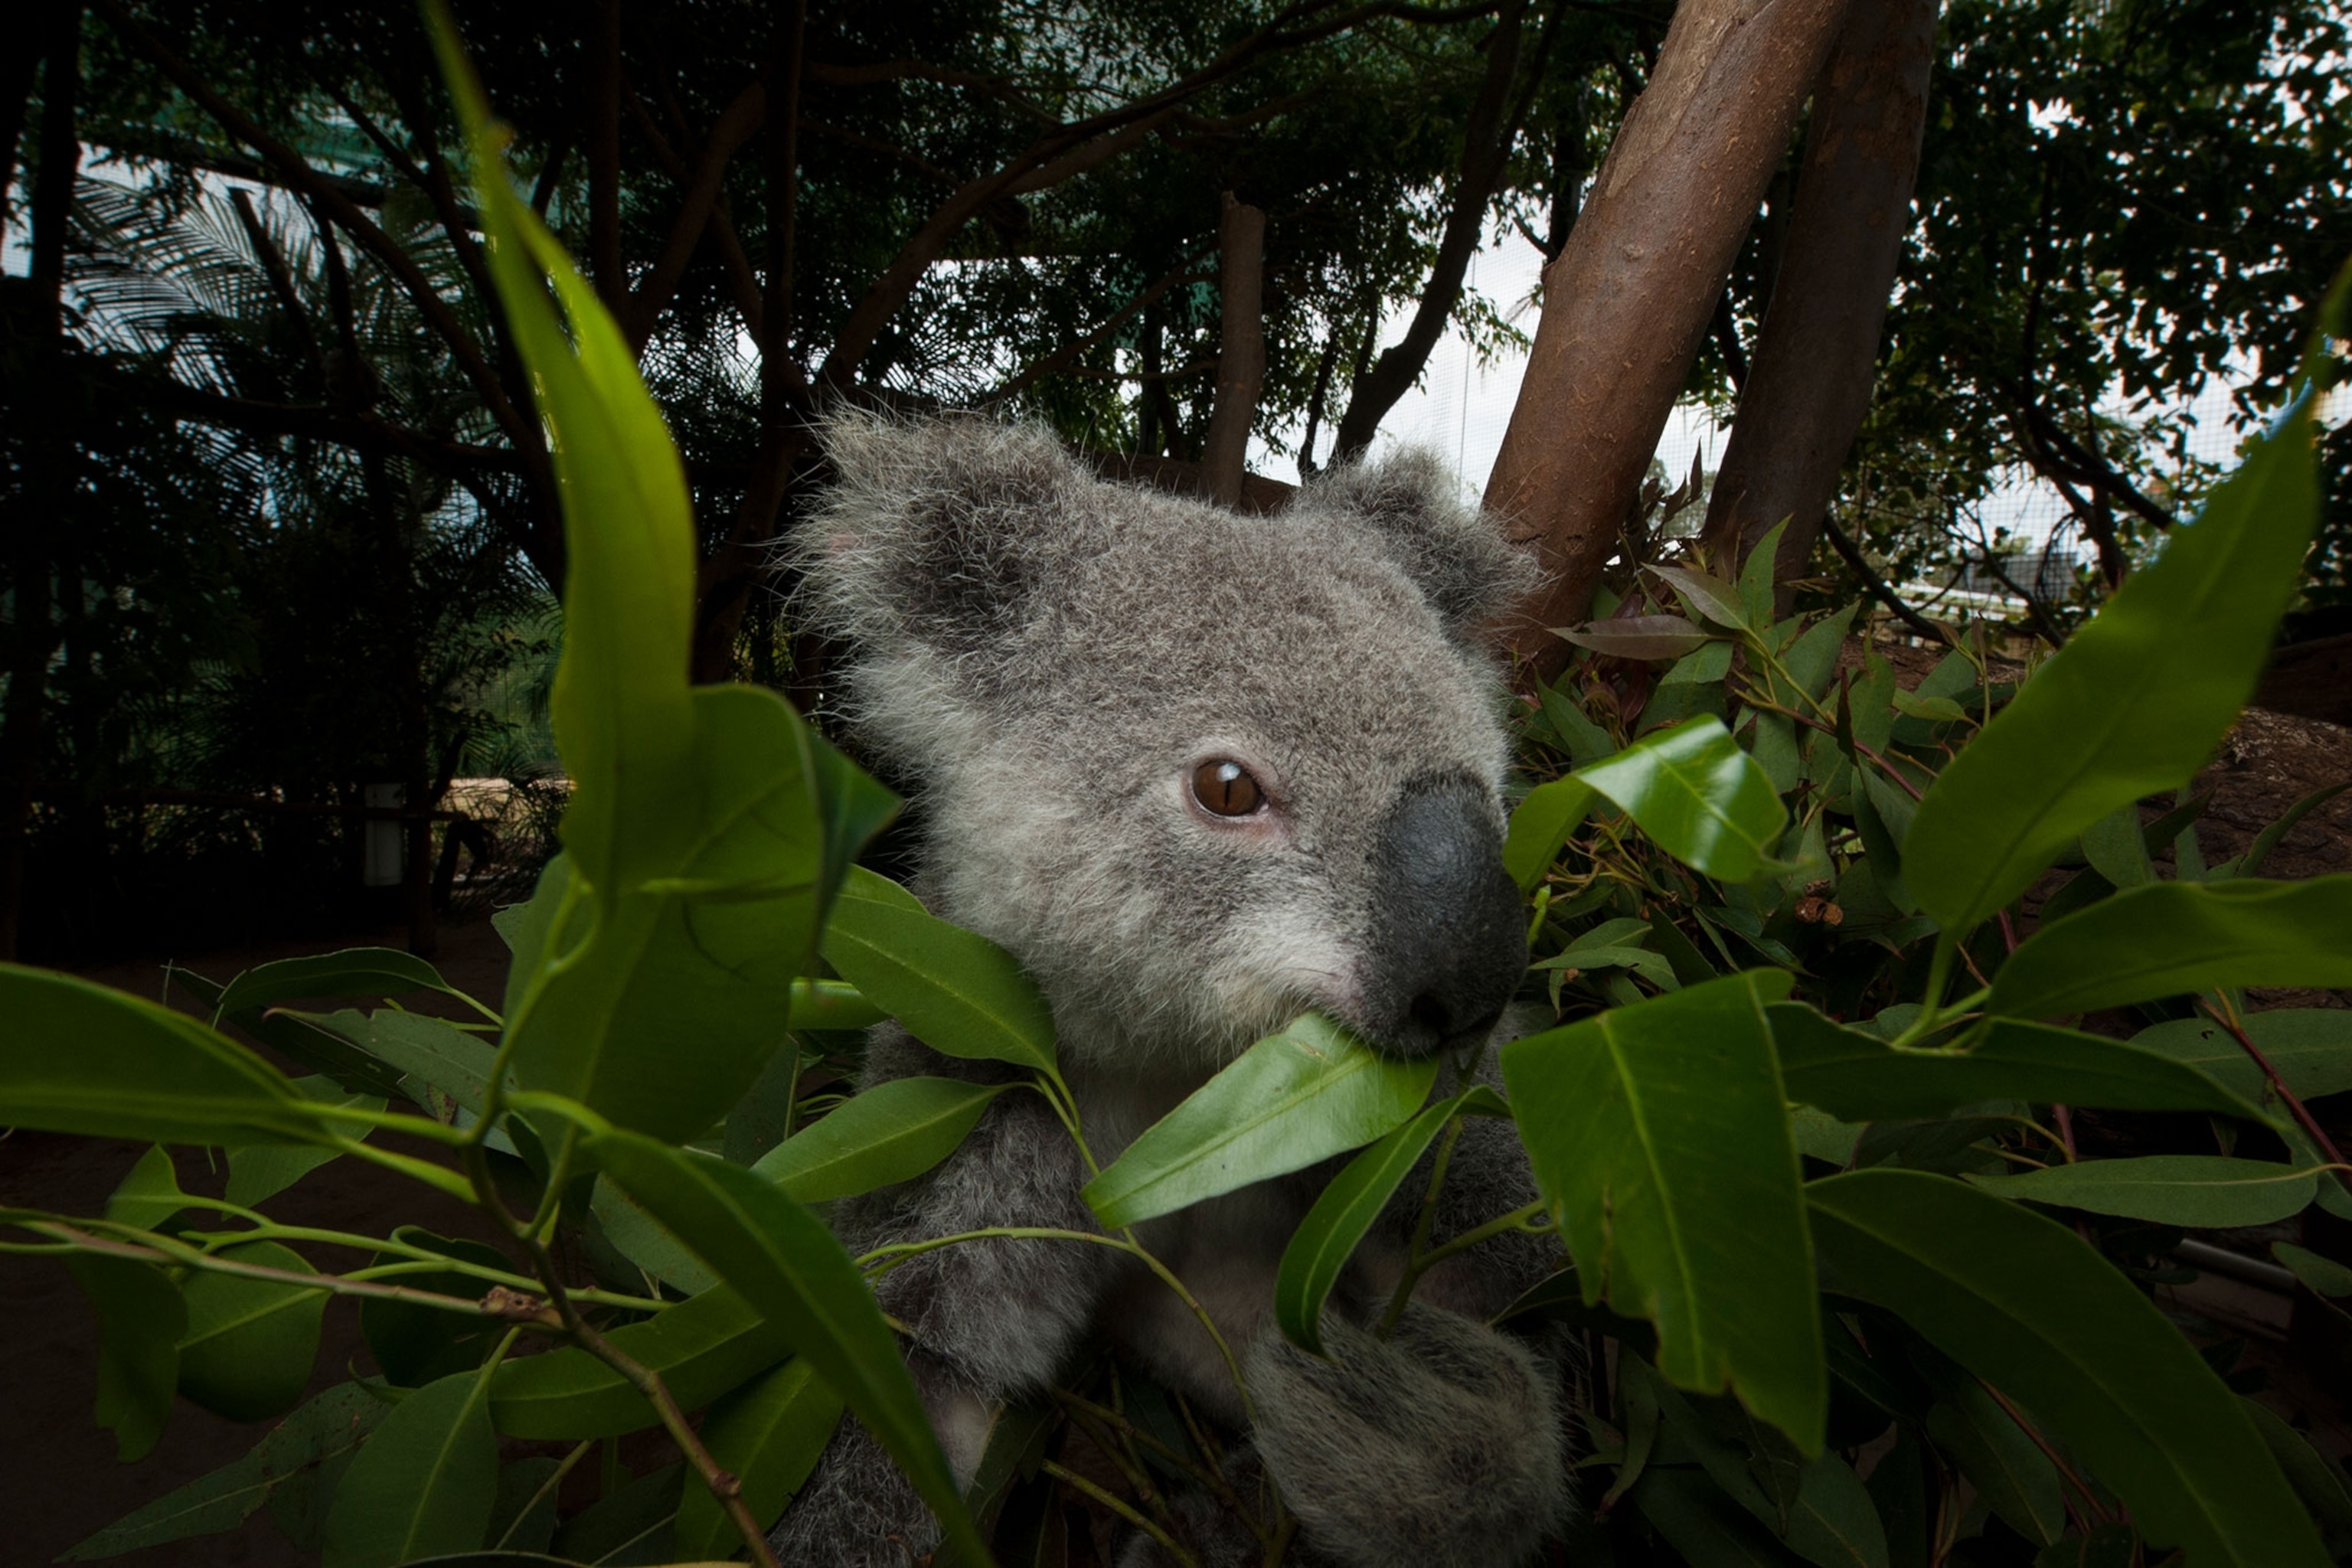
[2223,1013]
[162,1252]
[1208,1477]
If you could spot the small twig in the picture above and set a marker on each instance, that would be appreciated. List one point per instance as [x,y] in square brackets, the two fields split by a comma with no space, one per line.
[1120,1507]
[2056,1460]
[1878,586]
[2227,1017]
[78,1240]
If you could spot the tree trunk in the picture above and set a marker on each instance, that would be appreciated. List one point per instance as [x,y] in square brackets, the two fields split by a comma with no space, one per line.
[1241,350]
[1629,301]
[1486,151]
[1816,355]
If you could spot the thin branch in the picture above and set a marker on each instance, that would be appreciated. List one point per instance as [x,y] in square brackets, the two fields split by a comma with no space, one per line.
[734,126]
[1061,359]
[1877,585]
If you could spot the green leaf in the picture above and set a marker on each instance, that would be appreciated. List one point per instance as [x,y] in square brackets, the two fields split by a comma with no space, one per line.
[631,1526]
[831,1004]
[355,972]
[250,1344]
[2250,864]
[671,992]
[784,1260]
[415,1344]
[423,1484]
[701,1347]
[640,1238]
[257,1175]
[2108,1546]
[1691,1514]
[522,1519]
[2170,939]
[1833,1522]
[1707,596]
[136,1071]
[1540,823]
[149,1196]
[2024,1303]
[2324,1275]
[769,1434]
[141,1317]
[2135,702]
[2015,1477]
[956,991]
[433,1052]
[1587,742]
[892,1132]
[2319,1483]
[1293,1098]
[1697,795]
[1659,1135]
[2205,1192]
[324,1430]
[1857,1077]
[1320,1248]
[2118,848]
[2310,1046]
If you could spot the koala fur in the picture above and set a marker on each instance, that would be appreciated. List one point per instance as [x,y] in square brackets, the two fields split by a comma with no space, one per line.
[1048,658]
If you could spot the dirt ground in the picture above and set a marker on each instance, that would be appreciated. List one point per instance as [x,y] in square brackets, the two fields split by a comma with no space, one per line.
[60,1480]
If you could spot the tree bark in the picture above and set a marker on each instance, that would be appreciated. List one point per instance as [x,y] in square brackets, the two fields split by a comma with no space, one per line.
[604,155]
[1628,303]
[1486,151]
[1241,351]
[1818,351]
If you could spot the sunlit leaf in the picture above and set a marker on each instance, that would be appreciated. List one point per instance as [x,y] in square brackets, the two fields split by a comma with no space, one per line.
[1698,796]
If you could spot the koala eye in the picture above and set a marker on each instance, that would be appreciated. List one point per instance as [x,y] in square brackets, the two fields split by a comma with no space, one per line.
[1225,788]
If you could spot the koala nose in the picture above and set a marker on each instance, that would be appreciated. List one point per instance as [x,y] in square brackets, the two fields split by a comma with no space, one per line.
[1448,940]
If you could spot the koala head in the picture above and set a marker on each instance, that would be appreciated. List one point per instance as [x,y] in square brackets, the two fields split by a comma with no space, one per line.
[1199,771]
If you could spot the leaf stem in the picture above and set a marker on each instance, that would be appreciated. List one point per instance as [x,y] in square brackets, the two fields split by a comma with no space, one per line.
[2219,1009]
[1423,1262]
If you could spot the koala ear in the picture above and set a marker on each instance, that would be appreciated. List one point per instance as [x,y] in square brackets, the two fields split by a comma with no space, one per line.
[933,530]
[1409,505]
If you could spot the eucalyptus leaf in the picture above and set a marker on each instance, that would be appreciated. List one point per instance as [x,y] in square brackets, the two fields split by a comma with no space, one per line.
[2310,1046]
[892,1133]
[1698,796]
[327,1428]
[355,972]
[250,1344]
[1858,1076]
[701,1347]
[1639,637]
[1660,1136]
[2205,1192]
[956,991]
[769,1434]
[140,1319]
[2025,1304]
[422,1485]
[2172,939]
[1320,1248]
[1291,1099]
[2135,701]
[136,1071]
[783,1261]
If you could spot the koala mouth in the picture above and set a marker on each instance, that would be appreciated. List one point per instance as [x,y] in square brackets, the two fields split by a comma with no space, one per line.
[1448,942]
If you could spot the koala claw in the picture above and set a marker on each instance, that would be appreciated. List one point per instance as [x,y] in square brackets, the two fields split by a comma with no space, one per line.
[1439,1446]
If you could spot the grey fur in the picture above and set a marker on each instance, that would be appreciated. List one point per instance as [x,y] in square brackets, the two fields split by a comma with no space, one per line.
[1047,656]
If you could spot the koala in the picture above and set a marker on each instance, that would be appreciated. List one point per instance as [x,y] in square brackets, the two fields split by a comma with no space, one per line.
[1199,772]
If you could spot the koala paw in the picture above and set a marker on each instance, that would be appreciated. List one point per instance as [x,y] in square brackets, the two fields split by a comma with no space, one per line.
[1439,1446]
